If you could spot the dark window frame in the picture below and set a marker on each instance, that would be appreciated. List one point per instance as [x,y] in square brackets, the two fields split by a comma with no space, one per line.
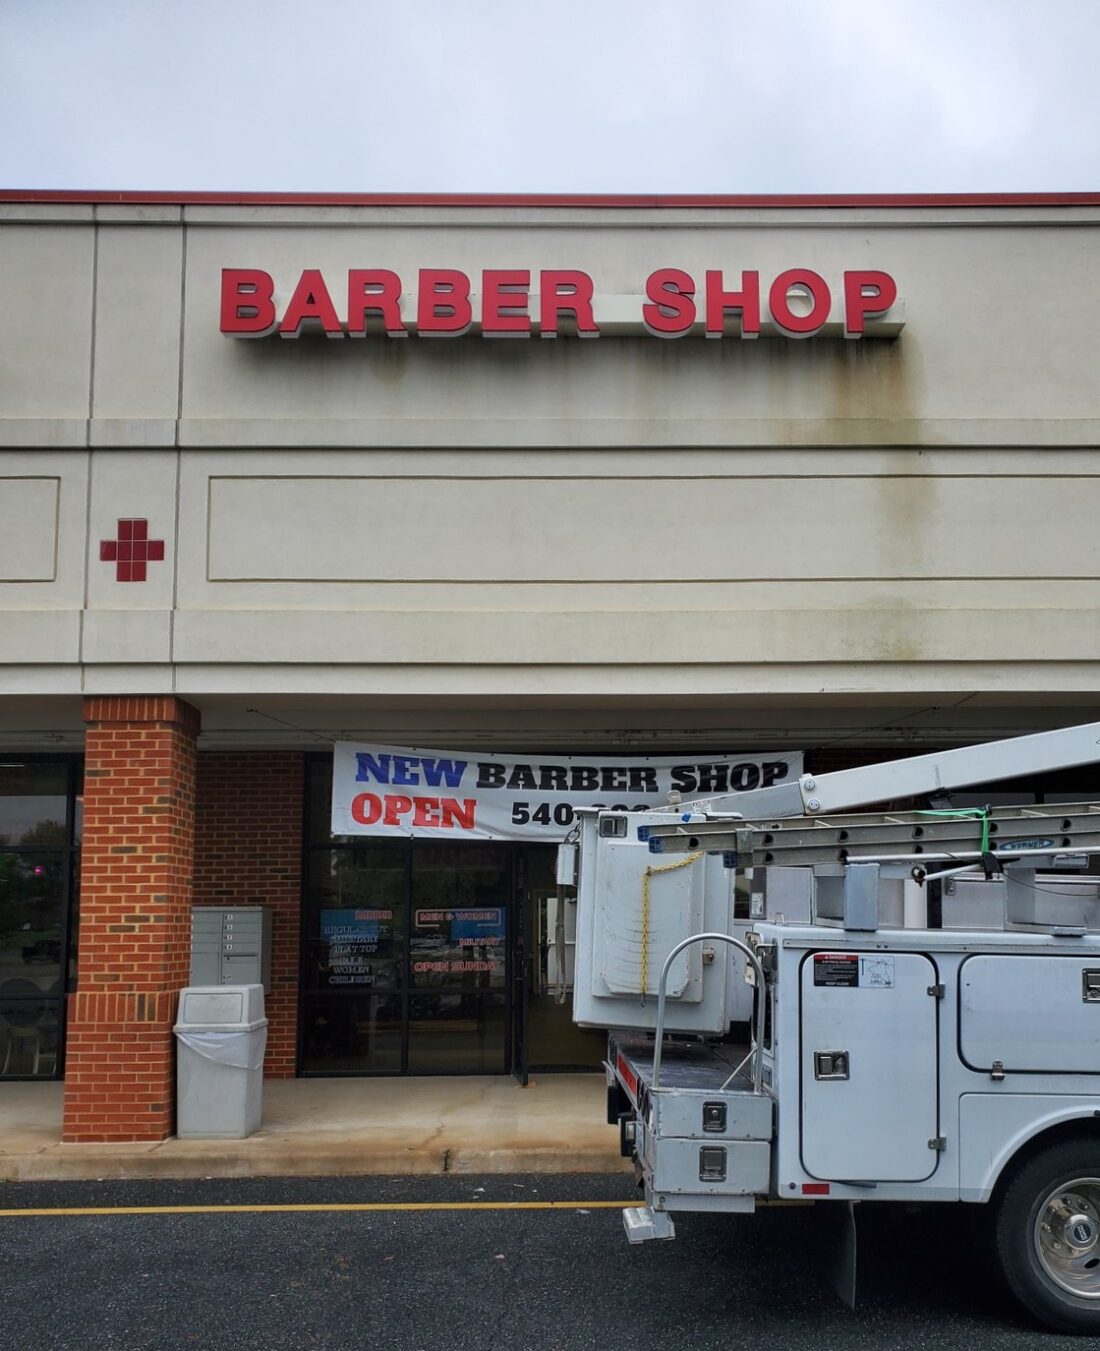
[313,841]
[69,851]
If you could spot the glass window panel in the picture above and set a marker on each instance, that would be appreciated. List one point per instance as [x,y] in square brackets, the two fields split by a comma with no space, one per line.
[459,946]
[34,802]
[29,1037]
[459,924]
[356,1034]
[461,874]
[374,869]
[355,948]
[354,924]
[31,898]
[457,1033]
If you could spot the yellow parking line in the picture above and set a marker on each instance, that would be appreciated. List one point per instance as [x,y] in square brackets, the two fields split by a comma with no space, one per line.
[318,1206]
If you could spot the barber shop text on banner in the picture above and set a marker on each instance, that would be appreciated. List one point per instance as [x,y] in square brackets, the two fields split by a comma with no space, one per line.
[411,792]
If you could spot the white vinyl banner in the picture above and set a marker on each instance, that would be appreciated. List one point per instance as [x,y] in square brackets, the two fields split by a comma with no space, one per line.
[410,792]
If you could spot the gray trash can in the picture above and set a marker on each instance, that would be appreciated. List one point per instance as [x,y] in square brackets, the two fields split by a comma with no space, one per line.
[221,1033]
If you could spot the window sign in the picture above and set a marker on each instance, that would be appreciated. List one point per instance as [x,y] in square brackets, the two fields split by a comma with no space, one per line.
[459,946]
[354,938]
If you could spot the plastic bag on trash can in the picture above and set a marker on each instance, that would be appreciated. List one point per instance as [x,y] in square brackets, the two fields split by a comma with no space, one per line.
[241,1050]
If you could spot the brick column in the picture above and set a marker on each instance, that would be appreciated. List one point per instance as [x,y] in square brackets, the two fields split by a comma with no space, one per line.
[137,863]
[248,851]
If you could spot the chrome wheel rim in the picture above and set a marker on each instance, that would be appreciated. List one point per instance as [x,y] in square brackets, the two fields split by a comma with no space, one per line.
[1067,1237]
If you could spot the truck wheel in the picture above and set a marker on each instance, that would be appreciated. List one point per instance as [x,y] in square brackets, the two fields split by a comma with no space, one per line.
[1047,1235]
[617,1103]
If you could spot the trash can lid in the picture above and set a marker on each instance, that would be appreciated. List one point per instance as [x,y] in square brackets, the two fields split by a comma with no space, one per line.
[225,1006]
[225,1031]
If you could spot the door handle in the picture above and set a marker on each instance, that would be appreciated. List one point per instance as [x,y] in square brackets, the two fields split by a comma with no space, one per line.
[830,1064]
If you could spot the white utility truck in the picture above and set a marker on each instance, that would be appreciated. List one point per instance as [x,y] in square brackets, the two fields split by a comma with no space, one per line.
[917,993]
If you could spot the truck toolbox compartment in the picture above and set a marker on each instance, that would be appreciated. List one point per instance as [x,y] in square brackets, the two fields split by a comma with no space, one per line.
[721,1167]
[1009,1006]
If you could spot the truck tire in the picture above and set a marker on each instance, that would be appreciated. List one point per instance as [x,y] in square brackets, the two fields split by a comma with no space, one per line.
[617,1103]
[1046,1230]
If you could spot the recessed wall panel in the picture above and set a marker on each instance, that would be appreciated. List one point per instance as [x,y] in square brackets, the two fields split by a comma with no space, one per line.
[46,281]
[301,529]
[28,529]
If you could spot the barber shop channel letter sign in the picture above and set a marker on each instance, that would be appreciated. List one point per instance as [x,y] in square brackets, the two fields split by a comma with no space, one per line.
[797,302]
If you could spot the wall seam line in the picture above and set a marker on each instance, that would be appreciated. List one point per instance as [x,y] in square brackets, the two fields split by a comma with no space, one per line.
[179,458]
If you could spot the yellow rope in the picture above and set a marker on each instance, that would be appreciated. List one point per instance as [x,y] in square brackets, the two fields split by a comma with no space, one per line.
[684,862]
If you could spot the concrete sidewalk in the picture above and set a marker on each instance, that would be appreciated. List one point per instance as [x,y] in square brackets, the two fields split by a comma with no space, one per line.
[342,1127]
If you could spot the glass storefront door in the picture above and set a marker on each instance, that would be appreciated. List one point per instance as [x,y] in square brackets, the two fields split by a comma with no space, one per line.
[425,957]
[458,958]
[38,875]
[354,928]
[406,958]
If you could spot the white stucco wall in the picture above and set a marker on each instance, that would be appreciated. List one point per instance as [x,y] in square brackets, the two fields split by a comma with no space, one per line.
[611,524]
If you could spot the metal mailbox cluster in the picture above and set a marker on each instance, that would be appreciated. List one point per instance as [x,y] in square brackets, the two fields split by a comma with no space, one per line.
[232,946]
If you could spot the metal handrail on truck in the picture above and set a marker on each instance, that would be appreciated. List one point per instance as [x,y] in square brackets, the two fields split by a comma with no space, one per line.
[662,990]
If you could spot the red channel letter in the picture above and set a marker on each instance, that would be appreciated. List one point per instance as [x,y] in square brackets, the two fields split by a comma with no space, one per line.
[784,318]
[310,301]
[746,302]
[866,294]
[443,306]
[673,310]
[569,293]
[248,307]
[504,299]
[374,291]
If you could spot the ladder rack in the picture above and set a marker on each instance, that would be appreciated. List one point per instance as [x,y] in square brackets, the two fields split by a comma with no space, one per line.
[963,833]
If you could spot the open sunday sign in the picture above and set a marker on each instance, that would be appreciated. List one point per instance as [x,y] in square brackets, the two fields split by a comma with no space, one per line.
[410,792]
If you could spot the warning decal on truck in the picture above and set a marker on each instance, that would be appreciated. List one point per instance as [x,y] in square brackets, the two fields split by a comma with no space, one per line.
[836,968]
[853,970]
[877,973]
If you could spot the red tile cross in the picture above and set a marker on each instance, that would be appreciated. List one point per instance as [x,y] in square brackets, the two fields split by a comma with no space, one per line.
[132,550]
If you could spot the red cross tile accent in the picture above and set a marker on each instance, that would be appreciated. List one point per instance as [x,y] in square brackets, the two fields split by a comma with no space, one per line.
[132,550]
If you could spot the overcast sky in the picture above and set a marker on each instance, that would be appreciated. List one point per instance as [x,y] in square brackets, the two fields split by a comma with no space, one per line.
[557,96]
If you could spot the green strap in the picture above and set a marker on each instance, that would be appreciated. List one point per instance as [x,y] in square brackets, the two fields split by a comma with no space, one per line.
[967,814]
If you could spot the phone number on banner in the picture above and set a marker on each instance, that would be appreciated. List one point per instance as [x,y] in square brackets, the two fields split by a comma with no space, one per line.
[563,813]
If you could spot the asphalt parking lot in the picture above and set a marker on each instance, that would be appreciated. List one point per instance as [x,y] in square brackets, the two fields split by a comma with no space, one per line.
[470,1270]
